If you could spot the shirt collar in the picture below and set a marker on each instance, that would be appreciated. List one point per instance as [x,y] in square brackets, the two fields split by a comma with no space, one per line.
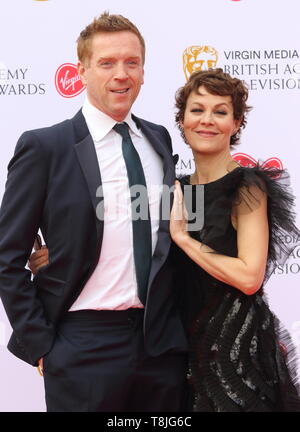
[100,124]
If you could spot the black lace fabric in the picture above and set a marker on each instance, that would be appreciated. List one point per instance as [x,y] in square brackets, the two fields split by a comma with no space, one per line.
[241,357]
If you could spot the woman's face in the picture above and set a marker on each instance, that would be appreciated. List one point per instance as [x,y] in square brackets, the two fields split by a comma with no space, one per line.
[208,122]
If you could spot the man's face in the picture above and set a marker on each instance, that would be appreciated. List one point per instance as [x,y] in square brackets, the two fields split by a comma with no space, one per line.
[114,74]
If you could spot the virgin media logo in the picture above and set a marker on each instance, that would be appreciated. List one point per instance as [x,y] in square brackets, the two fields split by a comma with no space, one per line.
[67,81]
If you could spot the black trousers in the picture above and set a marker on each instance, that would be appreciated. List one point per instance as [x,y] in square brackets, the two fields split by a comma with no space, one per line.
[98,363]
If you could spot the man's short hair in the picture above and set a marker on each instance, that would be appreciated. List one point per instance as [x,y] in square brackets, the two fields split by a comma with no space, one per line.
[105,23]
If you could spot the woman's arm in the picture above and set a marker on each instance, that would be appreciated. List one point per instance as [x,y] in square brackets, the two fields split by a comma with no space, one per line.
[246,272]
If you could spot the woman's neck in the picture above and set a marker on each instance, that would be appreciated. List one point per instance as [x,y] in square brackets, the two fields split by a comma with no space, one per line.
[211,167]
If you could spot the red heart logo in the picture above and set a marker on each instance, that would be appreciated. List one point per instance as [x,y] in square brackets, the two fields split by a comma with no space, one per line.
[248,161]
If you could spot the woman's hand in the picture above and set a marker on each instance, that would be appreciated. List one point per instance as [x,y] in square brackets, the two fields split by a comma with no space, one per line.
[38,259]
[178,218]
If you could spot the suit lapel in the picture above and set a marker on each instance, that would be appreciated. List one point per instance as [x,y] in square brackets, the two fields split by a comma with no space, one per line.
[87,158]
[159,145]
[158,142]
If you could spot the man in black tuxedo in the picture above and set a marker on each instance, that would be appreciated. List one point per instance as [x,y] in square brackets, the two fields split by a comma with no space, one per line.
[101,317]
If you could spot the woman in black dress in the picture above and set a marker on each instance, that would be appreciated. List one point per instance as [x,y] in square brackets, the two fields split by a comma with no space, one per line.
[240,357]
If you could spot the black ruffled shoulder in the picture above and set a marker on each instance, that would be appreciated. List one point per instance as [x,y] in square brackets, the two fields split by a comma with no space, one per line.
[241,185]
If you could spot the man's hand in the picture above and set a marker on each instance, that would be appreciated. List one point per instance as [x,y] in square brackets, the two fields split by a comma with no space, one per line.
[40,367]
[38,259]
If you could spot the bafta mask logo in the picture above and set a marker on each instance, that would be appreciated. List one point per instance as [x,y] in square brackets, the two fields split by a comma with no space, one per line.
[197,58]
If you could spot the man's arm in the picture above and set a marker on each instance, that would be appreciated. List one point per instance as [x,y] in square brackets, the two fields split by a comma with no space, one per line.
[20,217]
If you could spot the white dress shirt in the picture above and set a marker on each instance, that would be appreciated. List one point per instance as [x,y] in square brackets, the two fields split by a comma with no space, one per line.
[113,284]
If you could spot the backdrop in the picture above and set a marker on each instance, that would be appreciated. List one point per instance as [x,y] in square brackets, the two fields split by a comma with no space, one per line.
[254,40]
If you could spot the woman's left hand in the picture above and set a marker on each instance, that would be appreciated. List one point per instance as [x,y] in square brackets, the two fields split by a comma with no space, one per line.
[178,218]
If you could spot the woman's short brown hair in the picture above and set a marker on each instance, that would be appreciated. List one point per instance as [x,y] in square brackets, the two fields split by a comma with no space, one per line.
[106,23]
[219,83]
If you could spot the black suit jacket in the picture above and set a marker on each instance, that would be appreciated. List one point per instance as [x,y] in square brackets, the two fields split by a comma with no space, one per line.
[52,182]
